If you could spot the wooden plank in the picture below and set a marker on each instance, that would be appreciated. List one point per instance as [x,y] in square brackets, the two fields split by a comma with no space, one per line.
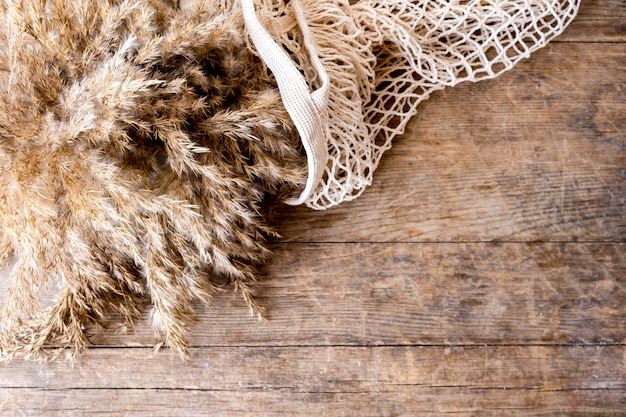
[597,21]
[602,10]
[332,369]
[374,381]
[401,402]
[538,154]
[421,294]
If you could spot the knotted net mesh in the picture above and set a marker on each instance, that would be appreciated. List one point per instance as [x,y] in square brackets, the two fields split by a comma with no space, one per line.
[384,57]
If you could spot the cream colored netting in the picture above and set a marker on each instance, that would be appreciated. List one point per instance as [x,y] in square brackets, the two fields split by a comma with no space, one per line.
[380,59]
[383,57]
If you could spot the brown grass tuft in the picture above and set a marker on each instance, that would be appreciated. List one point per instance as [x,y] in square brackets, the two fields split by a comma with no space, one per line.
[137,145]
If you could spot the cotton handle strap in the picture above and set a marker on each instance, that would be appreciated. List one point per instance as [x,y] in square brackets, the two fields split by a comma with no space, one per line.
[305,108]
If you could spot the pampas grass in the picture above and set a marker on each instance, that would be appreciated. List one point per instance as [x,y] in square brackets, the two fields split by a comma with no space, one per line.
[138,146]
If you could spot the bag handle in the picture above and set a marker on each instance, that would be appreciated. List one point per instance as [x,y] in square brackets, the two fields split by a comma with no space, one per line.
[307,109]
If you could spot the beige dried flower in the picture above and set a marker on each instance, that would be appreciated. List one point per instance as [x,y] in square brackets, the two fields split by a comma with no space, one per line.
[137,146]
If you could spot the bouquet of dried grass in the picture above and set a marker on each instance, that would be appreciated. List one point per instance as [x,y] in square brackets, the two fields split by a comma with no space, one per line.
[138,147]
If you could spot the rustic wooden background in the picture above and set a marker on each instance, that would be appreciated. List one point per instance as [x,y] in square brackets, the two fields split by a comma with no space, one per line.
[484,273]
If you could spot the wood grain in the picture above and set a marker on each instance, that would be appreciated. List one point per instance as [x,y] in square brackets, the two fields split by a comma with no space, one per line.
[598,21]
[402,401]
[336,368]
[389,294]
[366,381]
[483,273]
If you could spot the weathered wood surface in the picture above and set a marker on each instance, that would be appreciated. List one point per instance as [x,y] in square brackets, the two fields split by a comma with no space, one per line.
[364,381]
[597,21]
[423,294]
[401,401]
[484,273]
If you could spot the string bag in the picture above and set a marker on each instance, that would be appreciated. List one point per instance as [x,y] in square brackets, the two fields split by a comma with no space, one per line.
[374,61]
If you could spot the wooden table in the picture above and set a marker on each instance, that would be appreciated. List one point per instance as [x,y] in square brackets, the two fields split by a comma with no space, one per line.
[484,273]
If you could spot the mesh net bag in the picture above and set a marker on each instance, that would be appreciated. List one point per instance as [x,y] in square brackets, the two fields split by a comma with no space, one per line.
[374,61]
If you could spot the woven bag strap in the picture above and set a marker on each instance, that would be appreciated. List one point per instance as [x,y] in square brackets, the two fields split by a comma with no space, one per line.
[307,109]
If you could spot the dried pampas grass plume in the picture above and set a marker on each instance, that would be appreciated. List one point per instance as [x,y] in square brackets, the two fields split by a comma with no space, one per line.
[138,146]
